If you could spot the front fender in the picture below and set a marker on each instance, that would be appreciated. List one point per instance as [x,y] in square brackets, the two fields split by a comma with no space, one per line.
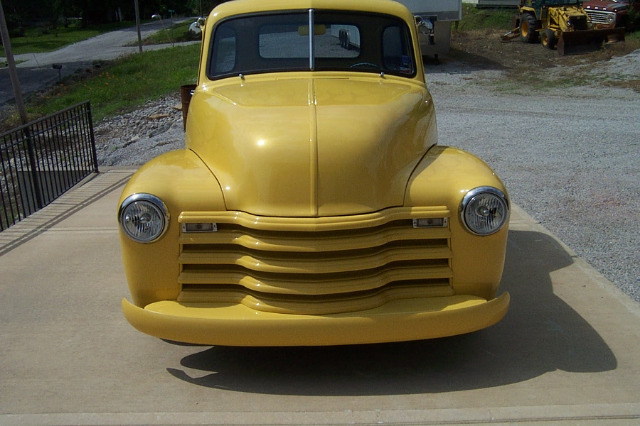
[182,181]
[445,175]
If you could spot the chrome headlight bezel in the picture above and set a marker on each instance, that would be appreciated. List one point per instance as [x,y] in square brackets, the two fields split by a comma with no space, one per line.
[484,210]
[149,228]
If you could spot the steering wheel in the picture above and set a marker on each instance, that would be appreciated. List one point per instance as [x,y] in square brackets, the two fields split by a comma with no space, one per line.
[365,64]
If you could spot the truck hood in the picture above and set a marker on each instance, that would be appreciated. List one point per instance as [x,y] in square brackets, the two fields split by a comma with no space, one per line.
[608,5]
[311,147]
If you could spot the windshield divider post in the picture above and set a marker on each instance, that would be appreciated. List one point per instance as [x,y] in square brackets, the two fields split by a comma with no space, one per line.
[311,47]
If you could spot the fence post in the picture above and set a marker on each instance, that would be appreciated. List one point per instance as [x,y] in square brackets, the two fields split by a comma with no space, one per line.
[93,140]
[35,178]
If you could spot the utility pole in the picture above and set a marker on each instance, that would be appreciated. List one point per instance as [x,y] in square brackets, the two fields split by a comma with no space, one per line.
[13,73]
[17,92]
[135,5]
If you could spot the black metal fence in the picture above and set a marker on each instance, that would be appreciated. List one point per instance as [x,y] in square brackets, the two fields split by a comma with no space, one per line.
[43,159]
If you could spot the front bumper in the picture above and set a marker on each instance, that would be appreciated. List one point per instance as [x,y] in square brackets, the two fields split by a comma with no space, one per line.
[238,325]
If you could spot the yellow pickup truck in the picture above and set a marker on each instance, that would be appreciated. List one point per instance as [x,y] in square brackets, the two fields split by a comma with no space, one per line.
[311,204]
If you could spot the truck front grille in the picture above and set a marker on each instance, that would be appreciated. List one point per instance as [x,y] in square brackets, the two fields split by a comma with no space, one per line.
[315,266]
[601,17]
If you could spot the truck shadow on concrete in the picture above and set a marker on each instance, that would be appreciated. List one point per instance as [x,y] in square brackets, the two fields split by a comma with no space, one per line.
[540,334]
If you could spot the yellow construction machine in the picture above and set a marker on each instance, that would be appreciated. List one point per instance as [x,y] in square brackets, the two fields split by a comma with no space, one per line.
[561,24]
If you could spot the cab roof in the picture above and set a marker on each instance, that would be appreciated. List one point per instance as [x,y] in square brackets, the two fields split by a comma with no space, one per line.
[238,7]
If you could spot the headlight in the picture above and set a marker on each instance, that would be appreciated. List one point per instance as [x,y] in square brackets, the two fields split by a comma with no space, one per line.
[484,210]
[611,18]
[143,217]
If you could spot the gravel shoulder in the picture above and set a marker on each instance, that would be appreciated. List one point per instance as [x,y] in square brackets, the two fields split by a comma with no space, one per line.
[566,141]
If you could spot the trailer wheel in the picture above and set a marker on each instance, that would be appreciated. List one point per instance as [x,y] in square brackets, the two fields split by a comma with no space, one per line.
[528,25]
[548,39]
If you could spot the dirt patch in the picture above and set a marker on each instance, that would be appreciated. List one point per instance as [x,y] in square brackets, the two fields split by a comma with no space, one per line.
[485,50]
[627,84]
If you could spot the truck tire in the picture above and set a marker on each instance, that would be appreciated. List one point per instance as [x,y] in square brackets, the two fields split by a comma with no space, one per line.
[528,26]
[548,39]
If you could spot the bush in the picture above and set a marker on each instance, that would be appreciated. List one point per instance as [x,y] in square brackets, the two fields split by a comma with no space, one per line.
[632,21]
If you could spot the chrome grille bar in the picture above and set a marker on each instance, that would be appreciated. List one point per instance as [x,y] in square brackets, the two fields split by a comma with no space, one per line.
[600,16]
[327,261]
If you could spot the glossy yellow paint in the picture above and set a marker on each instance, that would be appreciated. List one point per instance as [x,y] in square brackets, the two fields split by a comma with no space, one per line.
[351,143]
[181,180]
[300,153]
[445,175]
[237,325]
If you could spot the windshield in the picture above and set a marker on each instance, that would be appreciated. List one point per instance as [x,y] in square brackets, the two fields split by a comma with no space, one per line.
[561,2]
[311,40]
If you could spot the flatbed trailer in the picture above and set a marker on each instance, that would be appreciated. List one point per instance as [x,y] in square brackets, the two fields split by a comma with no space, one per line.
[435,18]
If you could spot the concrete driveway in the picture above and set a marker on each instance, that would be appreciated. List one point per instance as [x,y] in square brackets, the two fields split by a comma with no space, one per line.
[568,350]
[35,70]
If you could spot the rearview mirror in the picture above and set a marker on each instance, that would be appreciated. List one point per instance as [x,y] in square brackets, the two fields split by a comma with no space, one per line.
[303,30]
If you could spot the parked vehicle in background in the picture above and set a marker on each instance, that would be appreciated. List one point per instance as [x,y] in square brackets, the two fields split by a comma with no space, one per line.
[195,28]
[312,204]
[609,13]
[562,24]
[434,18]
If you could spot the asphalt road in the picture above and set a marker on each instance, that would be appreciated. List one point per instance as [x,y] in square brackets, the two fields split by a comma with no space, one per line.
[36,72]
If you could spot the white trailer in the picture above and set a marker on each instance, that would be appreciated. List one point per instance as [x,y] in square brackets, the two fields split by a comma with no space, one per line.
[435,18]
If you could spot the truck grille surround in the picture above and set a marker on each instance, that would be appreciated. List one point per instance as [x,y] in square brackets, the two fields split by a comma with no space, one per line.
[601,16]
[311,266]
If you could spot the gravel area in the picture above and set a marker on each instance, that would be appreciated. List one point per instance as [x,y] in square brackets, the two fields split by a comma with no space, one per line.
[140,135]
[569,156]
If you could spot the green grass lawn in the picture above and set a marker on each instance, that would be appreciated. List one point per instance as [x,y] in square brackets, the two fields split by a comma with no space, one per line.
[115,86]
[125,83]
[474,18]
